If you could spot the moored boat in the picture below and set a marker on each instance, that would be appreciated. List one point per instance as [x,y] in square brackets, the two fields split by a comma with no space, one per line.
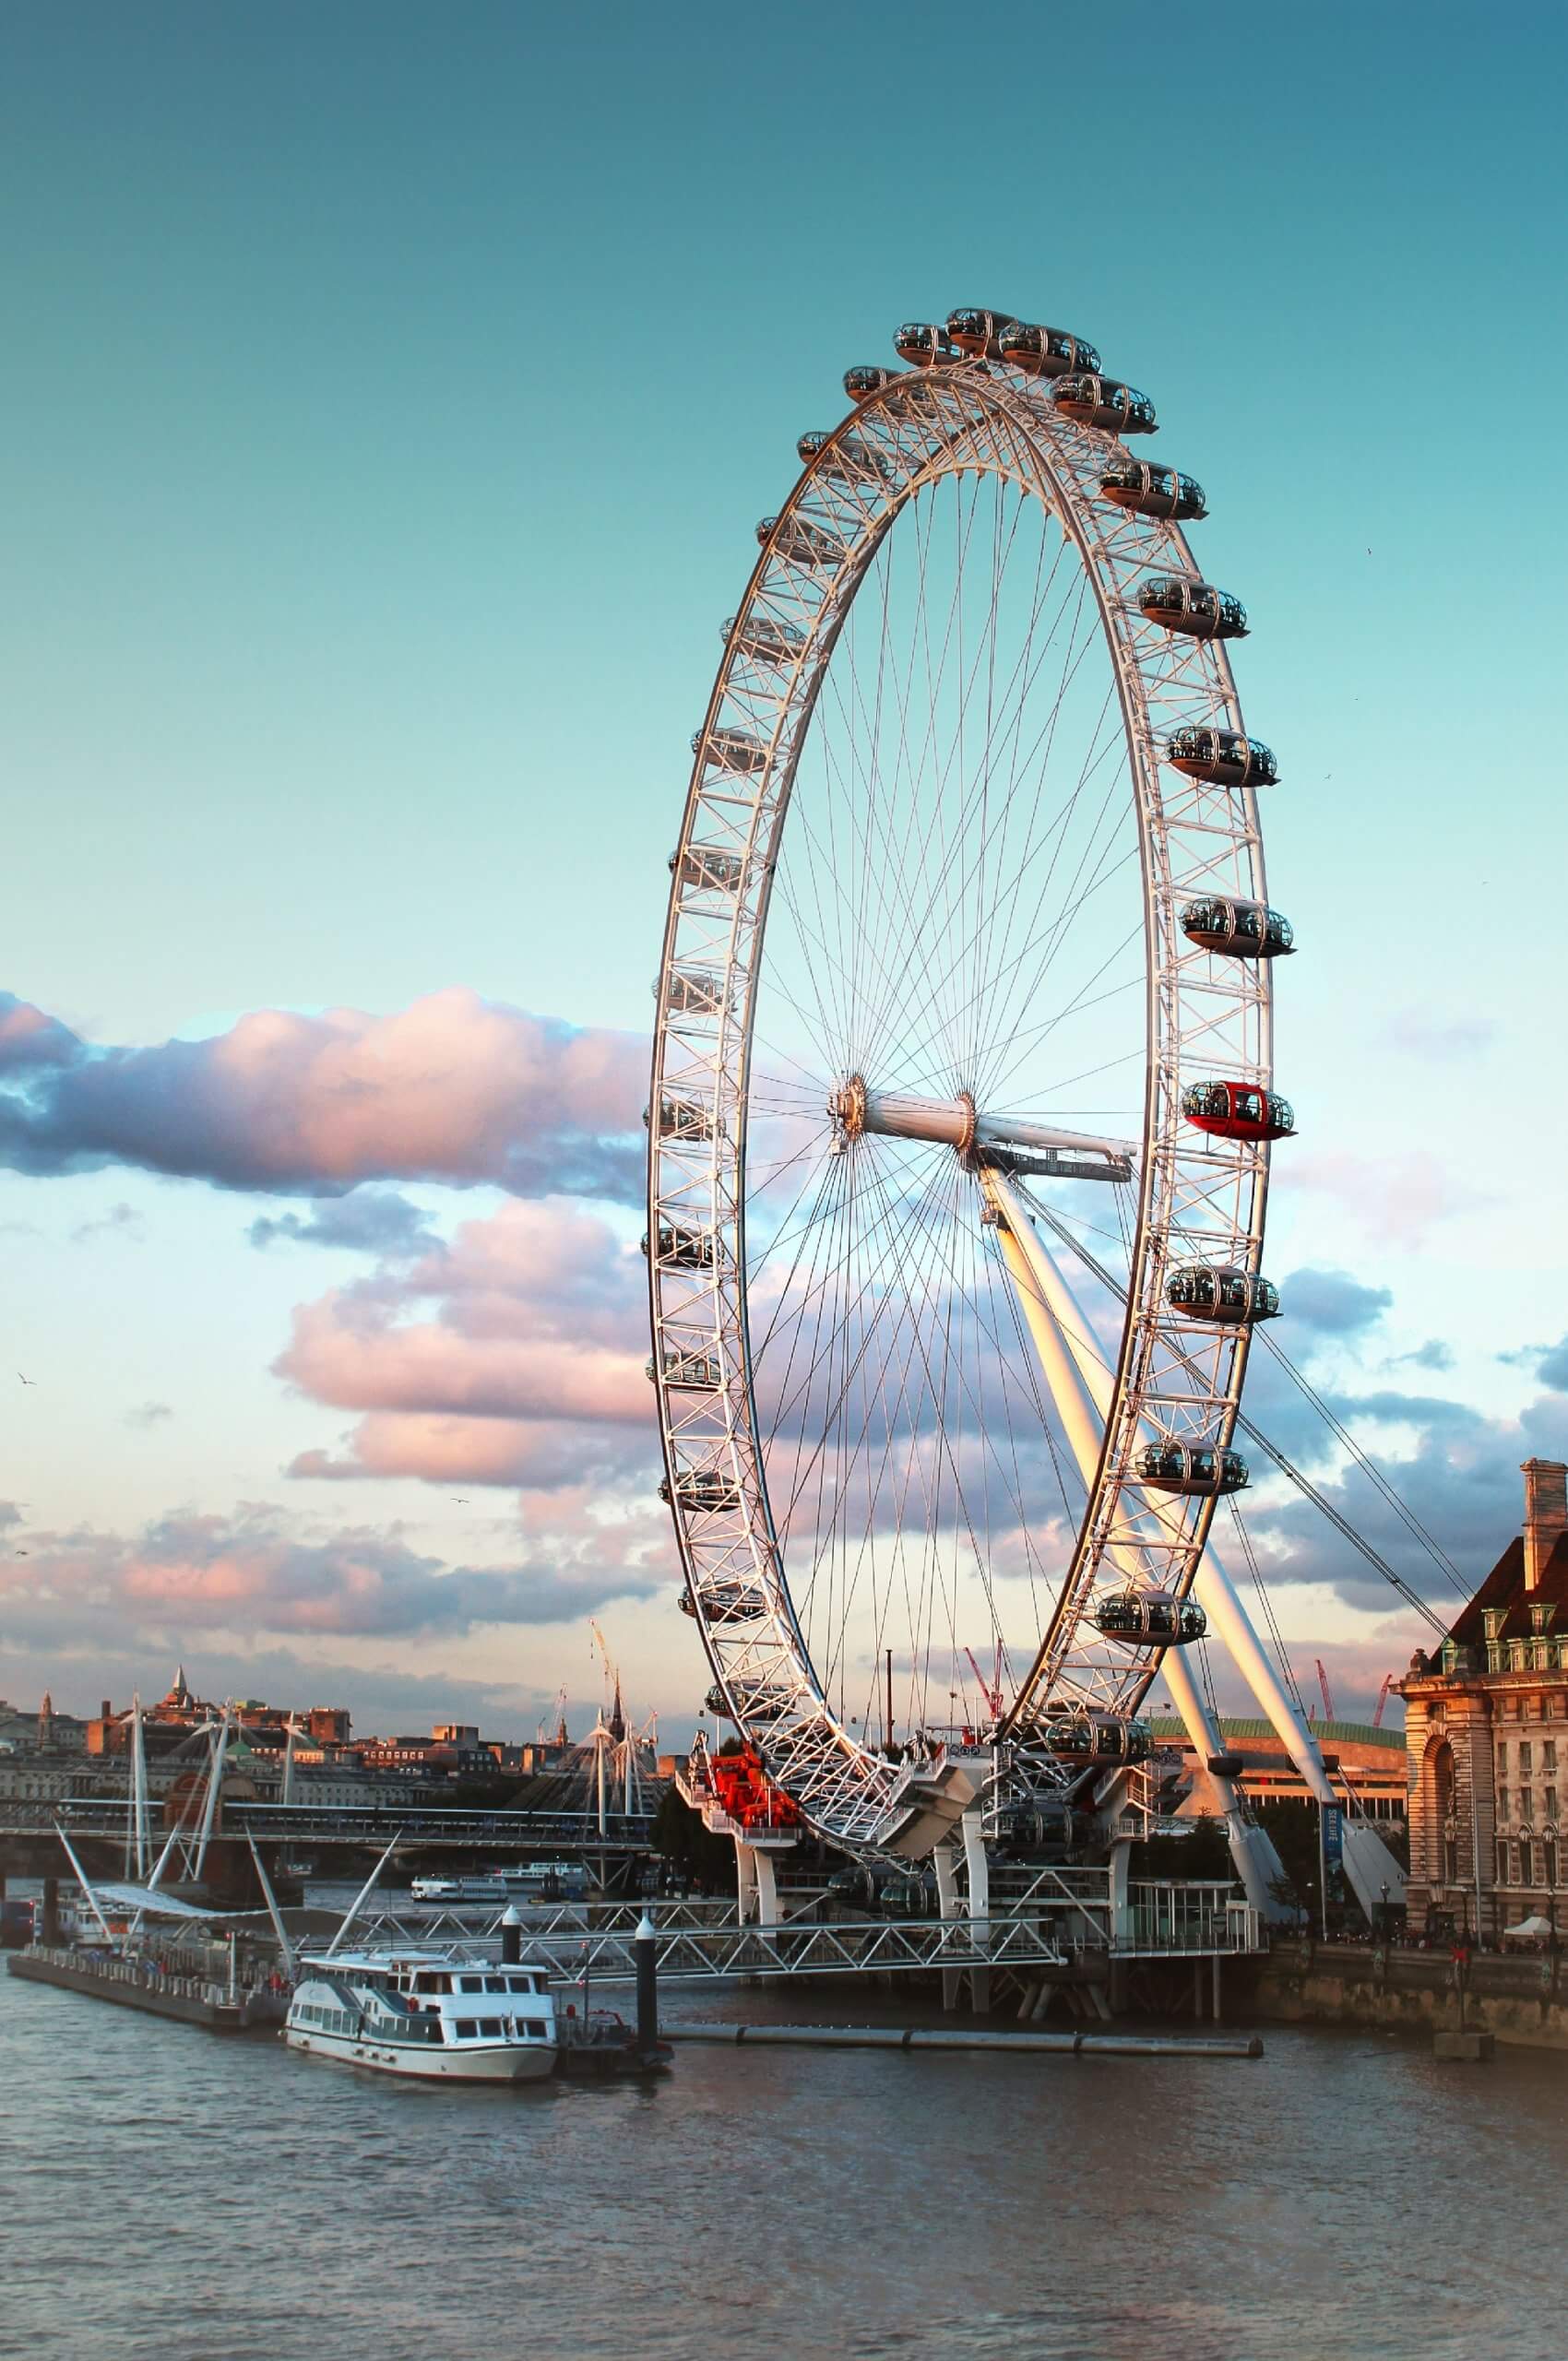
[424,2014]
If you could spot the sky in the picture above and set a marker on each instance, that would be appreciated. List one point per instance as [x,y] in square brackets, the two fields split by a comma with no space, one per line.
[392,392]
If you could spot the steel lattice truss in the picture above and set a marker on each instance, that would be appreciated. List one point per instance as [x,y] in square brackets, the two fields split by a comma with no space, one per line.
[961,432]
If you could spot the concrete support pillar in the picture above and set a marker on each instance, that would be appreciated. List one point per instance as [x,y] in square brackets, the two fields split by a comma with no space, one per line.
[978,1869]
[745,1882]
[51,1910]
[947,1903]
[766,1887]
[1216,1964]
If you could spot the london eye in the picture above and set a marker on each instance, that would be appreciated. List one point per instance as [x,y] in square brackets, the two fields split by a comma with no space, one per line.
[962,1099]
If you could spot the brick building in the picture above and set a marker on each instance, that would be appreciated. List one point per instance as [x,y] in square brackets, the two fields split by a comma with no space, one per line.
[1486,1730]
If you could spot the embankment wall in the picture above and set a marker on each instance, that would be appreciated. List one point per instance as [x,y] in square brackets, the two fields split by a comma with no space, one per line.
[1523,2000]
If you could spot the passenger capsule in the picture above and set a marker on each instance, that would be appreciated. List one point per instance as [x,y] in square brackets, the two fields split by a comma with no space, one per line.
[850,459]
[695,992]
[1221,1293]
[867,377]
[686,1249]
[761,1700]
[707,869]
[1238,1111]
[1226,1766]
[689,1372]
[1045,352]
[1195,1470]
[1099,1738]
[716,1702]
[683,1119]
[728,749]
[980,333]
[727,1603]
[924,347]
[1238,929]
[799,542]
[764,640]
[1104,402]
[1151,490]
[1196,609]
[706,1491]
[1150,1620]
[1223,757]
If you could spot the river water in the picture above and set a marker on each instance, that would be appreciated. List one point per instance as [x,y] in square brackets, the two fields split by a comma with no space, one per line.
[168,2193]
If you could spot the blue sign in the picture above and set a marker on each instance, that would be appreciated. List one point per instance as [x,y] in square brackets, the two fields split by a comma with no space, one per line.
[1332,1835]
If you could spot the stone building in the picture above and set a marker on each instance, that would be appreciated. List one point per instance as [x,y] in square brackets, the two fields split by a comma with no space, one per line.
[1486,1731]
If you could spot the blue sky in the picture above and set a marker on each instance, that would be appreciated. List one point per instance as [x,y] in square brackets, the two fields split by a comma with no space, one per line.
[392,393]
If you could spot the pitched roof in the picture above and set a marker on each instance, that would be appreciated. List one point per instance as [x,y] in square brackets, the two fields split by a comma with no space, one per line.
[1504,1587]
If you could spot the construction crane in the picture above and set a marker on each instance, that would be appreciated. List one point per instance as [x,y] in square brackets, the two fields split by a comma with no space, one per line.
[545,1733]
[1388,1681]
[990,1689]
[1323,1686]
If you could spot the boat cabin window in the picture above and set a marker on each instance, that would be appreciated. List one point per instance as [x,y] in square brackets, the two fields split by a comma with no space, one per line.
[465,2029]
[521,1984]
[425,1981]
[534,2028]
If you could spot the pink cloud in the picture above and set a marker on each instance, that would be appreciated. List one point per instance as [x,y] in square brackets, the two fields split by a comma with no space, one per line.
[451,1088]
[515,1356]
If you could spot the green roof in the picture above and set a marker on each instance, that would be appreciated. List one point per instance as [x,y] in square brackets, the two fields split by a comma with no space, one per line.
[1255,1726]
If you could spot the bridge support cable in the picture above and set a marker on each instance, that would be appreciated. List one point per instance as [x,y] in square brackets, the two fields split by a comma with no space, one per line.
[1369,1468]
[1267,1606]
[1255,1433]
[1369,1864]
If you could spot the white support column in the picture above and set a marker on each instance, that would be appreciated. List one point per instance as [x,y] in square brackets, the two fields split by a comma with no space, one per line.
[1071,1365]
[1368,1862]
[766,1887]
[978,1869]
[745,1882]
[948,1904]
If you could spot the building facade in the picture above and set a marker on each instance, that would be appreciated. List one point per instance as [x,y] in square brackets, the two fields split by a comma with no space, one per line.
[1486,1732]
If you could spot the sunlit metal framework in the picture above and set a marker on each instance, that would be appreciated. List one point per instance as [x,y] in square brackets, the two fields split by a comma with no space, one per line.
[1199,1199]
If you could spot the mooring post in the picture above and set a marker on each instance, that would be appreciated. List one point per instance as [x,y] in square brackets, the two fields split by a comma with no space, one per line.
[511,1936]
[647,1944]
[51,1911]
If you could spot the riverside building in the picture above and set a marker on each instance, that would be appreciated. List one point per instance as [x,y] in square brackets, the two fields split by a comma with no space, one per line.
[1486,1730]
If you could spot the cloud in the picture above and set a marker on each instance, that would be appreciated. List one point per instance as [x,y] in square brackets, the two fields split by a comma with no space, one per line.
[1426,1034]
[369,1221]
[451,1088]
[1434,1355]
[254,1572]
[514,1356]
[1395,1200]
[148,1413]
[1552,1367]
[1332,1303]
[120,1221]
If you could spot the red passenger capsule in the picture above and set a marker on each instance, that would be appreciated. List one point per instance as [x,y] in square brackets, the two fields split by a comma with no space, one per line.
[1238,1111]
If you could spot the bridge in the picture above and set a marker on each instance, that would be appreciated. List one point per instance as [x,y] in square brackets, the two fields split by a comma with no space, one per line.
[317,1828]
[1065,1928]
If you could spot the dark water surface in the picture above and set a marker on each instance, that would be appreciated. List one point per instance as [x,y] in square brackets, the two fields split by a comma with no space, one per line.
[170,2194]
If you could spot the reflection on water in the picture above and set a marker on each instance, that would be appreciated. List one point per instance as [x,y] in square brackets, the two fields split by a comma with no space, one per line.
[168,2194]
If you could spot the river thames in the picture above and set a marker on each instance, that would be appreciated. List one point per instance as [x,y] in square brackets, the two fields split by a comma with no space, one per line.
[170,2194]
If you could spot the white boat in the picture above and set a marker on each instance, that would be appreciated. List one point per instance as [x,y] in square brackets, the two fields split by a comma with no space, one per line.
[425,2013]
[537,1881]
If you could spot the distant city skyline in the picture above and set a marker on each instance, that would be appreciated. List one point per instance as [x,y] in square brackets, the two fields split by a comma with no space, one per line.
[392,406]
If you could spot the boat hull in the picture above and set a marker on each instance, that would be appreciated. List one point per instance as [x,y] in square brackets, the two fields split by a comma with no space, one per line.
[474,2062]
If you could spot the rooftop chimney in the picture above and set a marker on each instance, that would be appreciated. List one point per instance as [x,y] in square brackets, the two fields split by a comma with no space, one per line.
[1546,1513]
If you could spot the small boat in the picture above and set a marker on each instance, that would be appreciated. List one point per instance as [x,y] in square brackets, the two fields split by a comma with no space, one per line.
[538,1881]
[425,2013]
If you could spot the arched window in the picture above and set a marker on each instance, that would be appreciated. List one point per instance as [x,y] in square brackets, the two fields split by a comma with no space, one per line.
[1526,1861]
[1549,1860]
[1502,1860]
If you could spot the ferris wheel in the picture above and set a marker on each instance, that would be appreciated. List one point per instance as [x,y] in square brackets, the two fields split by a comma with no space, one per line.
[962,1104]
